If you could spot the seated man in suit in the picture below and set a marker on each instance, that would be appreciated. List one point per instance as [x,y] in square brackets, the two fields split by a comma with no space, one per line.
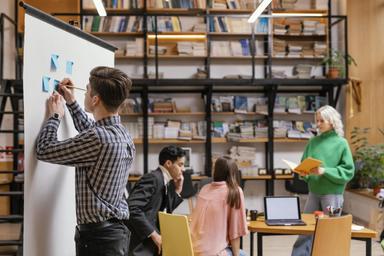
[156,191]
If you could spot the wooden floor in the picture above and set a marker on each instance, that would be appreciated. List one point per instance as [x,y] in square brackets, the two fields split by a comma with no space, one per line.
[273,246]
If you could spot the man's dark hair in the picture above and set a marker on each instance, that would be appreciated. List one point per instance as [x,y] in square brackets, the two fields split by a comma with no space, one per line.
[170,153]
[111,85]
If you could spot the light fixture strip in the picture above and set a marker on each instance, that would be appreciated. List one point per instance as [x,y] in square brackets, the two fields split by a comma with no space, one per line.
[100,7]
[259,10]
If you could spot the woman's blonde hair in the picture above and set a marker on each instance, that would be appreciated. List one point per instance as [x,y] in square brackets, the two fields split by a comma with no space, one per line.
[333,117]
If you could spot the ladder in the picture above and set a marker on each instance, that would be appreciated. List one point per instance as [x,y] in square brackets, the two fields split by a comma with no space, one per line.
[12,90]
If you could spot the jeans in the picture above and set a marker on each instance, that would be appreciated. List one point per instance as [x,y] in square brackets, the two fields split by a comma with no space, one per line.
[229,252]
[108,241]
[303,244]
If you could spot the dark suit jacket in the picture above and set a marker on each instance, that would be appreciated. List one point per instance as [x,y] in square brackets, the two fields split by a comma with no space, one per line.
[146,199]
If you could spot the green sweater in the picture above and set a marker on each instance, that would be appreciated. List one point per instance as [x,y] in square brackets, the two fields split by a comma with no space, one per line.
[336,156]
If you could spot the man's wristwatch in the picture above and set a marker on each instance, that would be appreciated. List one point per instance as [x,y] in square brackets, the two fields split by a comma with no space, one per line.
[56,116]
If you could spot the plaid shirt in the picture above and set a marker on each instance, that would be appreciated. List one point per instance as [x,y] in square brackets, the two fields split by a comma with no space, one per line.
[102,153]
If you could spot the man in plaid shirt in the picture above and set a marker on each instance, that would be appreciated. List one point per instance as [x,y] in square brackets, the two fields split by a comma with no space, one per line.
[102,153]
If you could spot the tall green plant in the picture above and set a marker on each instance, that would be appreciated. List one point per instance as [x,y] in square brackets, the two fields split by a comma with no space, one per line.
[369,159]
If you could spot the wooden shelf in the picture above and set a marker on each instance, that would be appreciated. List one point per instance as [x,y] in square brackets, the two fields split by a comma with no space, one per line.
[137,141]
[300,35]
[234,114]
[176,33]
[261,177]
[229,34]
[218,140]
[238,57]
[298,58]
[175,141]
[283,177]
[174,10]
[230,11]
[119,34]
[288,140]
[120,57]
[177,57]
[254,140]
[114,11]
[305,11]
[178,114]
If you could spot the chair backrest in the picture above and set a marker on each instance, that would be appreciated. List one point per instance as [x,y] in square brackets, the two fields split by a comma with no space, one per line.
[188,189]
[332,236]
[296,185]
[175,235]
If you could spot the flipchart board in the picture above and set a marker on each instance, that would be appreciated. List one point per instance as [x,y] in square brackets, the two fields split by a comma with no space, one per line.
[52,50]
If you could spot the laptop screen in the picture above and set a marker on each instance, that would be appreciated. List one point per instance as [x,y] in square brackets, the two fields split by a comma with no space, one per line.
[278,208]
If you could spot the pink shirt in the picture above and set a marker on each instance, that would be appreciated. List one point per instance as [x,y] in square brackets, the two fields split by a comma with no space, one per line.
[214,223]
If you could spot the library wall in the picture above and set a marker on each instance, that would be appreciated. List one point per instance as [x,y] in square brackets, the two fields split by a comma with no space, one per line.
[365,34]
[51,6]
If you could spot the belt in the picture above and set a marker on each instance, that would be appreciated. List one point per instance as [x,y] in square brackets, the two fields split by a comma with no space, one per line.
[97,225]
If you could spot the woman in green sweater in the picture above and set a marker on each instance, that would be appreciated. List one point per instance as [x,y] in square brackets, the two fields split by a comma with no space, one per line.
[327,183]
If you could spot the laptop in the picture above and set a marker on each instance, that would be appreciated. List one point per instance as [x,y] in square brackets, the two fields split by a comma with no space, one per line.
[282,211]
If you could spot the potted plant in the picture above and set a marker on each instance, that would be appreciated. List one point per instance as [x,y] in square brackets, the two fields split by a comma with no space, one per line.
[369,160]
[336,63]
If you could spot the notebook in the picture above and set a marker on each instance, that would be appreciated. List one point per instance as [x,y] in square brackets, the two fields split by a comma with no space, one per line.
[282,211]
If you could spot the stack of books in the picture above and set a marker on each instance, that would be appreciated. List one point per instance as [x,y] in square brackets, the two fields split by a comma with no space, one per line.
[279,48]
[135,47]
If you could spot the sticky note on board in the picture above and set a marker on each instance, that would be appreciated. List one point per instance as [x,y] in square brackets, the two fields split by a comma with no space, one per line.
[56,85]
[54,62]
[45,84]
[69,67]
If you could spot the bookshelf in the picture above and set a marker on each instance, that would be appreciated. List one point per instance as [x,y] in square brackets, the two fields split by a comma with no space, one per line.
[171,40]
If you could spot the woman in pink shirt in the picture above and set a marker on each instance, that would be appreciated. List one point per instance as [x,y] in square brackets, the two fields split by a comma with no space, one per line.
[218,220]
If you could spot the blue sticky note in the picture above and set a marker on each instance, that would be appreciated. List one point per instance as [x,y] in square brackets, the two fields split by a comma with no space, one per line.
[54,62]
[56,85]
[45,85]
[69,66]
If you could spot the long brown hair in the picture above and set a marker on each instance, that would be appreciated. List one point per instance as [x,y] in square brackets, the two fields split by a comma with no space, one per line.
[226,170]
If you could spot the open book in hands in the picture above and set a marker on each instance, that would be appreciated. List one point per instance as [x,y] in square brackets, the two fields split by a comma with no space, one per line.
[305,167]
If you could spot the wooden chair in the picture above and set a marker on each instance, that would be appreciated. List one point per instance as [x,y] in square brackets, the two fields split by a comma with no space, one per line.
[332,236]
[175,235]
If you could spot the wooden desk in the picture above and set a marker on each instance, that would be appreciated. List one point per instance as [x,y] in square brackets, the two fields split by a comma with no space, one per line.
[262,229]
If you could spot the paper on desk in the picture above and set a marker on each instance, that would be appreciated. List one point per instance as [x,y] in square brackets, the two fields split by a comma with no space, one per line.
[357,227]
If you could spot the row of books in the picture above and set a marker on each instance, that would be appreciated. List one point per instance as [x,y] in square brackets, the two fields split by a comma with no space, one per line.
[188,4]
[171,129]
[244,129]
[298,27]
[239,104]
[299,104]
[176,24]
[231,48]
[300,5]
[217,4]
[116,4]
[297,49]
[180,48]
[234,4]
[233,24]
[113,24]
